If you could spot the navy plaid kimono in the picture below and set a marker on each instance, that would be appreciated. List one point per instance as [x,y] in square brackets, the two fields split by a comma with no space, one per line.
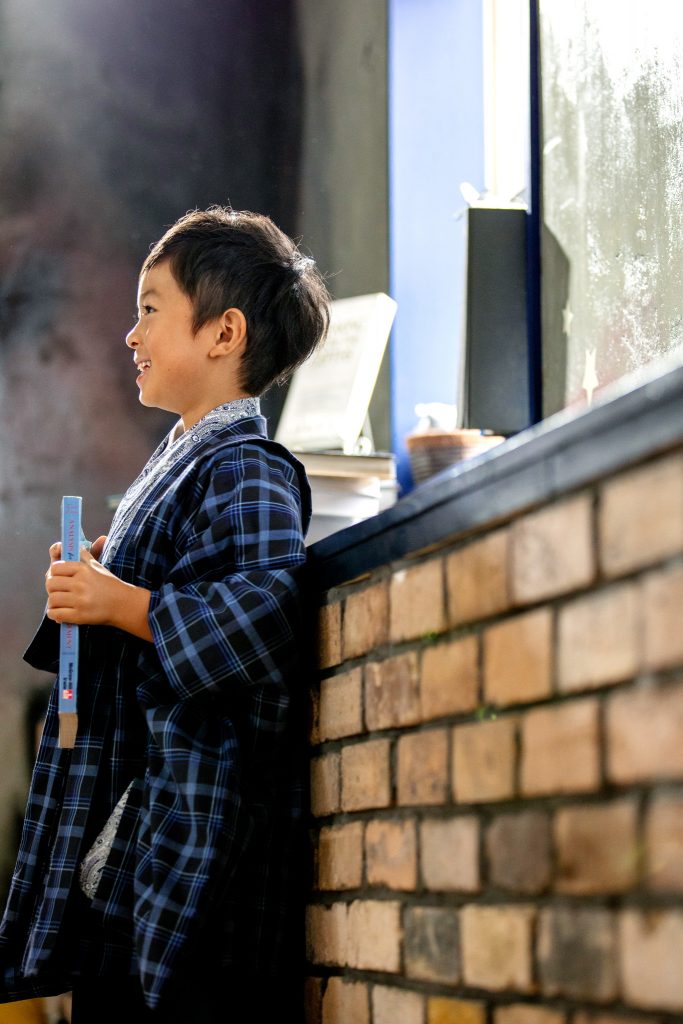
[205,723]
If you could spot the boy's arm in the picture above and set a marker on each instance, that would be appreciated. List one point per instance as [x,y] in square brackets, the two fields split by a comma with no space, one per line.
[228,614]
[131,612]
[227,608]
[85,593]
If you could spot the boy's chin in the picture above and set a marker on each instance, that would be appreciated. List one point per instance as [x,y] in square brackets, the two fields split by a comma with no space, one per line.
[151,403]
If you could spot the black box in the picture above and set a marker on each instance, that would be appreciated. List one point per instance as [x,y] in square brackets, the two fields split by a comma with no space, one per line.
[495,386]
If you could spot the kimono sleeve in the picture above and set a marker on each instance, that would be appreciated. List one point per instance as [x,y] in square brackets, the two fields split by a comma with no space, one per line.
[228,614]
[43,651]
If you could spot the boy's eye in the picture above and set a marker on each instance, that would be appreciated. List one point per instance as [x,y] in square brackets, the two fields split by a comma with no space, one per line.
[144,311]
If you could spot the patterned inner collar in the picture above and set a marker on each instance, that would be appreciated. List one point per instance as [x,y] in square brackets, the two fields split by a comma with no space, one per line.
[222,415]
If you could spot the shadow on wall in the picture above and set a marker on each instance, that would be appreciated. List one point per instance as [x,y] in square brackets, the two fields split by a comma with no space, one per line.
[116,119]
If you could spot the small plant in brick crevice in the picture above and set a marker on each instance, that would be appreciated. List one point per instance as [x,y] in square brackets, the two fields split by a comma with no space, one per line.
[486,713]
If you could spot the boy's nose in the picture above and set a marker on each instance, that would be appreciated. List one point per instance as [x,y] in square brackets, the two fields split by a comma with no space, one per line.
[131,340]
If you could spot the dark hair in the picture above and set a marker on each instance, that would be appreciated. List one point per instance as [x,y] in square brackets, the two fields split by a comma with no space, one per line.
[223,258]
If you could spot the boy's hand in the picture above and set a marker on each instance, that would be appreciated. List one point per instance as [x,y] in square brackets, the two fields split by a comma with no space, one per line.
[96,549]
[85,593]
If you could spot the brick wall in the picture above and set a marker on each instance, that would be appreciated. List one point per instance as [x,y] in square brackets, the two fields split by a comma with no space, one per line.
[497,772]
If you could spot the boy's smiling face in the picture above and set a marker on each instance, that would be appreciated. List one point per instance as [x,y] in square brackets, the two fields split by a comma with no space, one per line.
[177,367]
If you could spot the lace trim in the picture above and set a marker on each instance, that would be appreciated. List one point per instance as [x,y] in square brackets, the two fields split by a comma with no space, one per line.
[96,857]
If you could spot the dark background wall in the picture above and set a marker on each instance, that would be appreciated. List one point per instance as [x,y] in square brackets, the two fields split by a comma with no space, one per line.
[343,206]
[115,119]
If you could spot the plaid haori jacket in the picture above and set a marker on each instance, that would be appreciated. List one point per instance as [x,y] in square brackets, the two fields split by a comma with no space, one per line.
[204,725]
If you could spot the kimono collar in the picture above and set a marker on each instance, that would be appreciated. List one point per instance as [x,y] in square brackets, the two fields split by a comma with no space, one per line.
[172,449]
[221,416]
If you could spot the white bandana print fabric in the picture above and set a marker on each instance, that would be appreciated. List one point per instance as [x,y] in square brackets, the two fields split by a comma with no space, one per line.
[96,857]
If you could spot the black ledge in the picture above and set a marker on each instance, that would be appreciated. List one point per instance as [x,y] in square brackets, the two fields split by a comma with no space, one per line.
[634,419]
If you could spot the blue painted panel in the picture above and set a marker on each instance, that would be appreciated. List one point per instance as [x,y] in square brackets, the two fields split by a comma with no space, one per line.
[436,141]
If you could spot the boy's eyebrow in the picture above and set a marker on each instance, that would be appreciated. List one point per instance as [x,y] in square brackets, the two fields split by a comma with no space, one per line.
[148,291]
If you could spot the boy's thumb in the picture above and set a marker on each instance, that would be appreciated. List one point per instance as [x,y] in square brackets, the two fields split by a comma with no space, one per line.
[97,546]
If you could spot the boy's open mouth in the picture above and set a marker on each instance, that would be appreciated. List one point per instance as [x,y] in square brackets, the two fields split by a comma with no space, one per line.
[143,365]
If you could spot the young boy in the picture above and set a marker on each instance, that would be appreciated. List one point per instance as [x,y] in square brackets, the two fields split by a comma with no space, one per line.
[158,863]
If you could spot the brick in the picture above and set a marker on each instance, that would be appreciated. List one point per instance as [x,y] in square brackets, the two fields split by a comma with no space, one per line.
[345,1002]
[325,784]
[365,775]
[366,620]
[392,693]
[341,709]
[552,550]
[391,854]
[664,843]
[496,947]
[484,761]
[518,852]
[313,1000]
[560,749]
[422,774]
[597,848]
[449,678]
[644,728]
[662,597]
[391,1005]
[314,717]
[374,935]
[442,1010]
[522,1013]
[576,951]
[599,639]
[329,635]
[609,1018]
[449,854]
[431,944]
[518,658]
[650,956]
[327,934]
[641,516]
[477,579]
[340,856]
[417,601]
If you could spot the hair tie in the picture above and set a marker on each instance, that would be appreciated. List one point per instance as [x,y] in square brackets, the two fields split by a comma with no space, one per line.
[301,264]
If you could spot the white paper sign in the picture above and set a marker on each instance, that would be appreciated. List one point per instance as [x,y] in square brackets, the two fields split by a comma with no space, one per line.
[328,399]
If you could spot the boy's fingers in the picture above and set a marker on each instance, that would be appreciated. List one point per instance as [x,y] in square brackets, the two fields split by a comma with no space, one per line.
[57,582]
[97,546]
[60,568]
[62,614]
[55,551]
[57,589]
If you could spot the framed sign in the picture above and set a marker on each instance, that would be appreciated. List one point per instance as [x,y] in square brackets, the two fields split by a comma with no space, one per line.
[327,402]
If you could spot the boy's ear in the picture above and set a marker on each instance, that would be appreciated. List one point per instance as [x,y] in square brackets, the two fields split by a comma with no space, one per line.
[231,334]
